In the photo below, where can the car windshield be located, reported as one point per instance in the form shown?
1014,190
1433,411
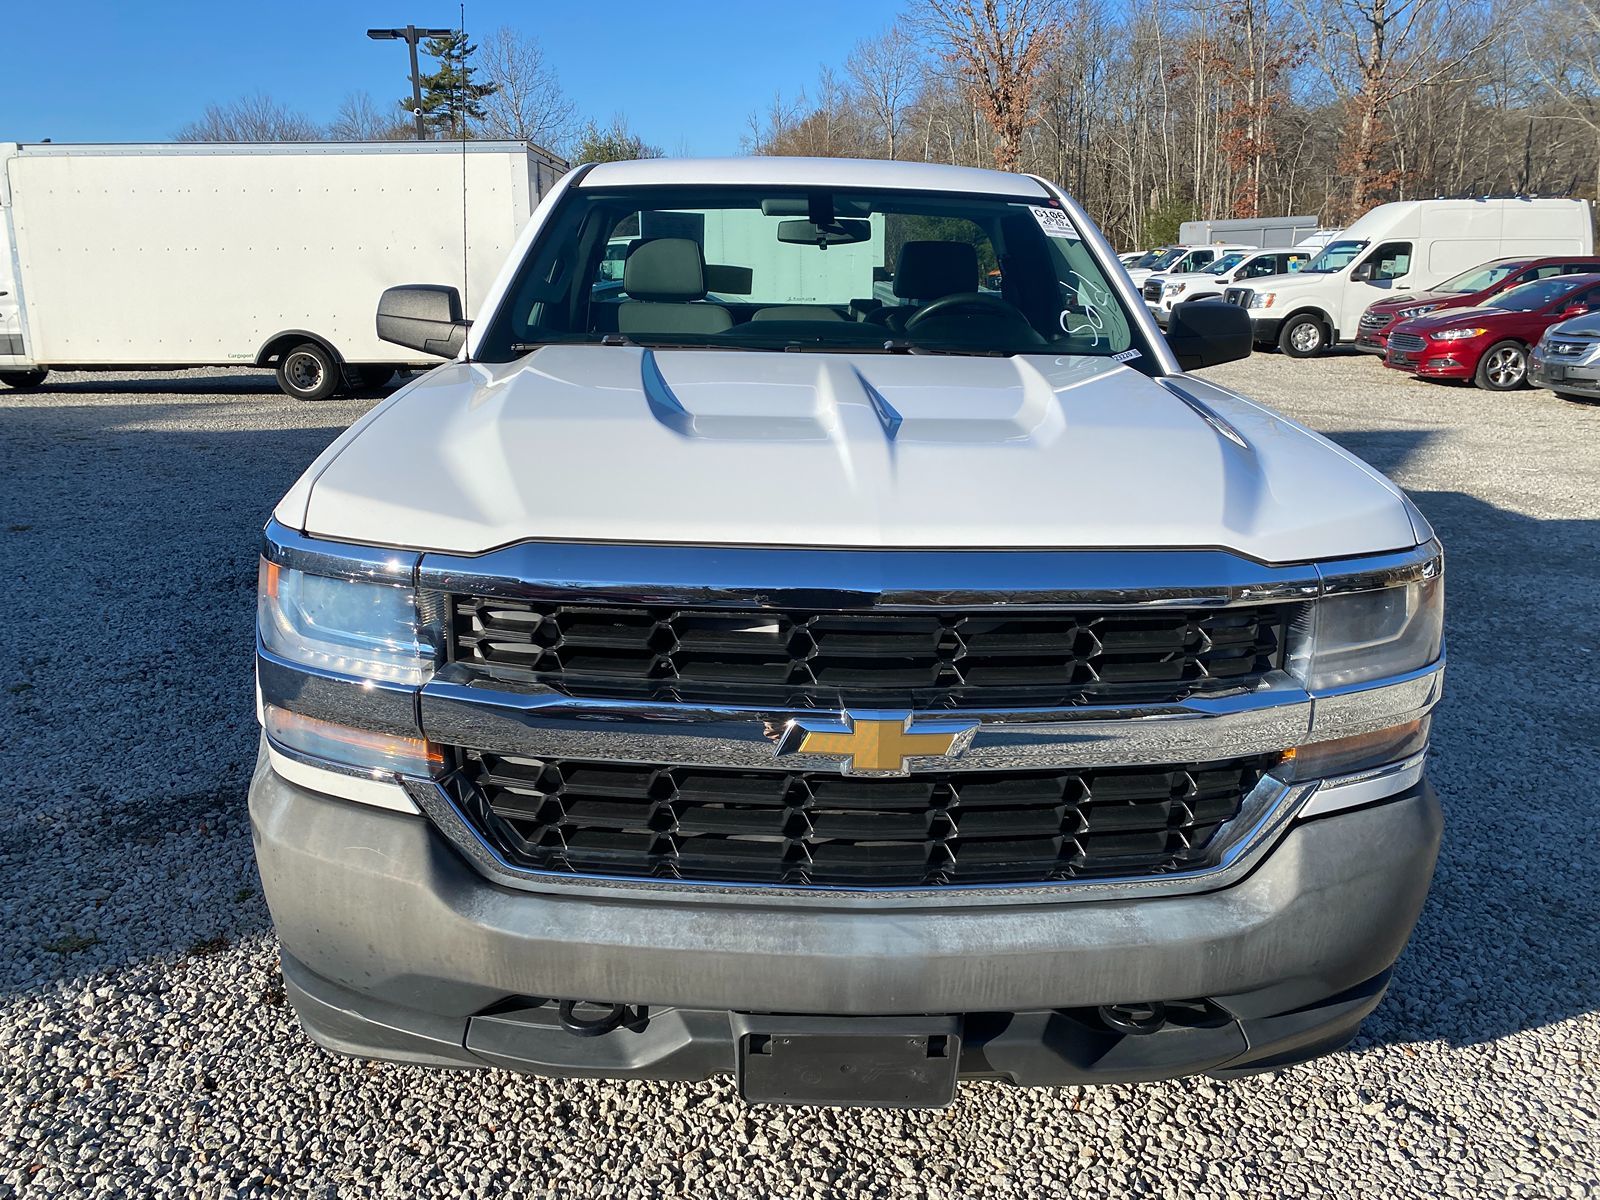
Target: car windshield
1226,263
1479,278
1526,297
1168,257
789,268
1335,256
1148,258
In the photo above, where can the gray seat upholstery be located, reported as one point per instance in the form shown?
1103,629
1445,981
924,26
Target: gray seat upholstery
926,271
664,279
797,312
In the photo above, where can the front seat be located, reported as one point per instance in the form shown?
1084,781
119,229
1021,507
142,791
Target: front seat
926,271
663,278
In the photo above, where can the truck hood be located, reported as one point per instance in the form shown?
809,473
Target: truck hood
592,443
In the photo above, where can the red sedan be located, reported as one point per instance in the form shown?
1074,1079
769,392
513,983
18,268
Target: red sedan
1489,344
1466,290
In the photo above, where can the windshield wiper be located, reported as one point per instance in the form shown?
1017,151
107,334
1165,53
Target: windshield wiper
902,346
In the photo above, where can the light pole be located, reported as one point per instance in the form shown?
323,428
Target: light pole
411,35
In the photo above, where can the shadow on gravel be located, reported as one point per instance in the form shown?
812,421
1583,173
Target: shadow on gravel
1508,941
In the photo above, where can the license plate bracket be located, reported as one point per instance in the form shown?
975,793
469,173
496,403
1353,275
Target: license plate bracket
869,1062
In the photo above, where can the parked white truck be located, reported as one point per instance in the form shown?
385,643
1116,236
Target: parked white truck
848,696
1409,245
163,256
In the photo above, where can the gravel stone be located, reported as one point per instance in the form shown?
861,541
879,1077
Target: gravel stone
146,1048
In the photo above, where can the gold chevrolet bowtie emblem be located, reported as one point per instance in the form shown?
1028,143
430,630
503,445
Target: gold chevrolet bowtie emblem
879,744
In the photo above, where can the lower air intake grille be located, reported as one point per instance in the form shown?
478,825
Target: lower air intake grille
1410,343
804,829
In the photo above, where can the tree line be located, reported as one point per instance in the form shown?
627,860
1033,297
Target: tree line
1150,115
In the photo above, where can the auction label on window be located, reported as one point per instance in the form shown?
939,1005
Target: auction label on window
1054,222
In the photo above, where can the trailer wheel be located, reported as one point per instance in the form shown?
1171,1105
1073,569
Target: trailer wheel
308,372
21,381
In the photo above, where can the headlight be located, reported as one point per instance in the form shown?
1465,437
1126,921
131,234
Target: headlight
1407,313
1451,335
1263,299
1357,637
369,631
1172,289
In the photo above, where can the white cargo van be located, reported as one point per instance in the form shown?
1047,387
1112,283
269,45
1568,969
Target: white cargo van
163,256
1409,244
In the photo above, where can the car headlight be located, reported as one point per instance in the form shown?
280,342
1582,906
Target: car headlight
1452,335
1357,637
1172,289
368,631
1407,313
1263,299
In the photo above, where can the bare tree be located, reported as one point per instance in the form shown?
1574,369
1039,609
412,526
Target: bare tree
1564,53
527,104
253,118
999,47
886,71
360,120
1375,53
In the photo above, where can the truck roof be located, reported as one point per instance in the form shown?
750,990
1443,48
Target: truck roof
771,170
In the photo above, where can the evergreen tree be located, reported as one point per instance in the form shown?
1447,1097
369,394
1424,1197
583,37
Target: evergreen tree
451,99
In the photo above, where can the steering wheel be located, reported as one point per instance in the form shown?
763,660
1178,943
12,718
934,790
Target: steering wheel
977,304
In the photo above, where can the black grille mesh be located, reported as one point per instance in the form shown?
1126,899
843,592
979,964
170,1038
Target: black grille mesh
1407,342
818,830
922,658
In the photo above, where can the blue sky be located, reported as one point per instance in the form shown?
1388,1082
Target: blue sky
686,75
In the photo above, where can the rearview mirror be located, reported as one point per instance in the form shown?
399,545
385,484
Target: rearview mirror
423,316
1203,333
833,233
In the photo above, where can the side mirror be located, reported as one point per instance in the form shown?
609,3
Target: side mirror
1362,273
423,316
1574,310
1204,333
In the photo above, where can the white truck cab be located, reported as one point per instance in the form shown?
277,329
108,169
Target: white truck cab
1409,245
1163,291
1182,260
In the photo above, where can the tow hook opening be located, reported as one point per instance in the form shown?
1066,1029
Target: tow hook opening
595,1018
1141,1018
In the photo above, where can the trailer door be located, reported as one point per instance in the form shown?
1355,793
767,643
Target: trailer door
12,352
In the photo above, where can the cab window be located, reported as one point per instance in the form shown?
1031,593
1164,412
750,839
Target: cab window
1293,261
1195,260
1266,264
1391,260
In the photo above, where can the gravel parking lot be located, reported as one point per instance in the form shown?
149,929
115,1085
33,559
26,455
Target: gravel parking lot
146,1047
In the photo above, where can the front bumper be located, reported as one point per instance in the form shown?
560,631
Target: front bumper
1579,380
1434,362
1265,329
394,947
1372,342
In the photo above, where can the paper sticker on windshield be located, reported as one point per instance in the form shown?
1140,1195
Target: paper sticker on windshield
1125,356
1054,222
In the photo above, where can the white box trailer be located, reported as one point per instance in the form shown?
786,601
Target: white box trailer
1266,233
265,255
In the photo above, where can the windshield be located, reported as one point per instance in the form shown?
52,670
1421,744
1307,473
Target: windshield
1168,257
1335,256
1226,263
1526,297
1479,278
1149,258
821,270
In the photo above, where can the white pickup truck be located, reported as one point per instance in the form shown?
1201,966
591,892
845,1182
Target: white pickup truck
1163,291
849,696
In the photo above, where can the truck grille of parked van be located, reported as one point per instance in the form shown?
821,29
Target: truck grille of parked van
816,659
822,829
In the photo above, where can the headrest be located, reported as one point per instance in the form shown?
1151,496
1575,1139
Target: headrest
928,270
665,269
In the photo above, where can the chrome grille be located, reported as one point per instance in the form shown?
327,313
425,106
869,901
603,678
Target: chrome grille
1152,289
1376,320
1569,349
1408,343
822,829
1239,296
924,658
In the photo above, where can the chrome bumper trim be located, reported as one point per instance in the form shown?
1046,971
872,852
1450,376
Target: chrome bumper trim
543,723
